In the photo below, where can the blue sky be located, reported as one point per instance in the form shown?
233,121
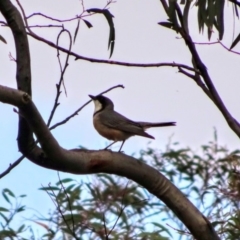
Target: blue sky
150,94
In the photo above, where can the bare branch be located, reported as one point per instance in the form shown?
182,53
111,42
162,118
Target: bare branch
217,42
198,81
79,109
11,166
79,161
94,60
233,124
120,212
198,64
70,208
61,80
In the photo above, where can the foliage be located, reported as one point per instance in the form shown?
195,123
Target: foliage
110,207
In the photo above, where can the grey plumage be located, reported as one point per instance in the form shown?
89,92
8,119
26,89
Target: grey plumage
116,127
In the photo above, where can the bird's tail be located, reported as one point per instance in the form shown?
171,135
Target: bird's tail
146,125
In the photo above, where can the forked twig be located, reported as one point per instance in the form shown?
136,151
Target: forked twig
61,80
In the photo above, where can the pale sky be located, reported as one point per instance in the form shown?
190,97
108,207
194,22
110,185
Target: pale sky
151,94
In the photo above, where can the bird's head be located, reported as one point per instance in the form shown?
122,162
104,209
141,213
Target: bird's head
101,103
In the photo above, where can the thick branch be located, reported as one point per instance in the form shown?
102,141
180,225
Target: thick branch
78,161
23,71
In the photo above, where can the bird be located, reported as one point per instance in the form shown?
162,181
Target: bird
114,126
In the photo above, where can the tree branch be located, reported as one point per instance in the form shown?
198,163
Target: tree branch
198,81
11,166
79,161
199,65
94,60
23,71
79,109
232,122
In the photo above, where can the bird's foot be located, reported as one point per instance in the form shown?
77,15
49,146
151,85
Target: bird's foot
106,149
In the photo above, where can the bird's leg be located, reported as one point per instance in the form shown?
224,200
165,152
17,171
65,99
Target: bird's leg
121,146
109,145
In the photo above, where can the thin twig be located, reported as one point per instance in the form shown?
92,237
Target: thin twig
126,64
11,166
77,56
105,228
45,26
121,210
60,211
217,42
79,109
198,81
61,80
69,203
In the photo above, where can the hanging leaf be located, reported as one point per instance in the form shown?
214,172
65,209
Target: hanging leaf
235,42
109,17
201,14
236,9
220,17
211,18
89,25
3,39
172,14
185,15
166,24
76,31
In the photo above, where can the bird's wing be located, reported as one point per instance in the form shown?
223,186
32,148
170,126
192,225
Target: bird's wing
117,121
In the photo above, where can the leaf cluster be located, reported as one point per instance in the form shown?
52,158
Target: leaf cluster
210,15
110,207
209,177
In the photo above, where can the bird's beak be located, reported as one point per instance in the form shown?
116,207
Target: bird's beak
92,97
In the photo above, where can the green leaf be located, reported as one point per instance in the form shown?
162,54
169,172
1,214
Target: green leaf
21,228
236,9
201,14
185,15
10,193
2,209
20,209
211,17
5,193
166,24
89,25
50,188
220,17
22,195
109,17
3,39
172,14
65,180
235,42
